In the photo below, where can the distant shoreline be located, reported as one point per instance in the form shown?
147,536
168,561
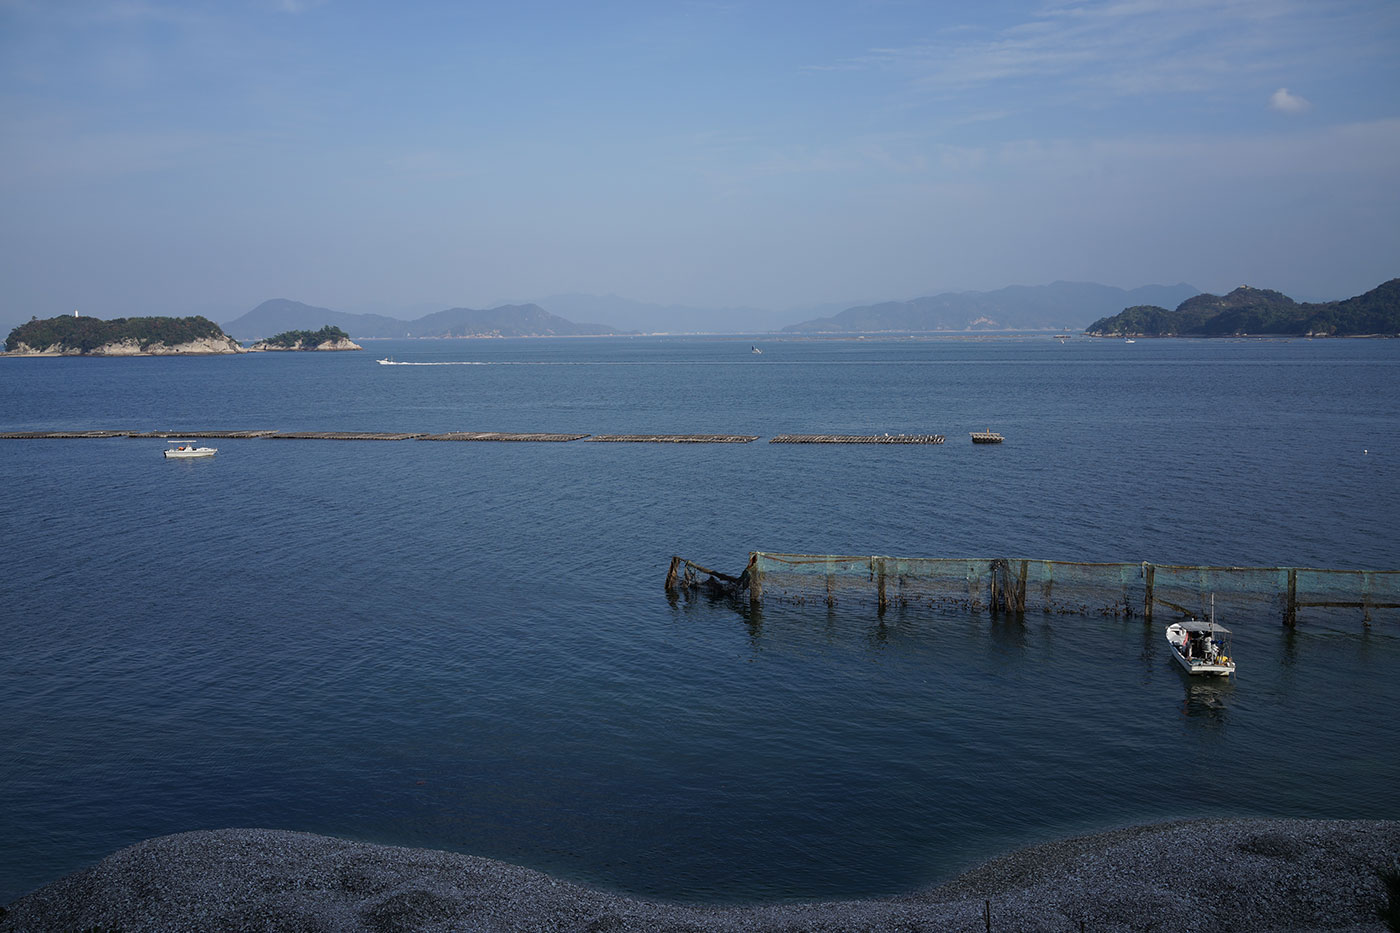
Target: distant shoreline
831,336
1240,336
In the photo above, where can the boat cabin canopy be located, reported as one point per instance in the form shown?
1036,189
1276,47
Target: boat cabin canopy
1197,626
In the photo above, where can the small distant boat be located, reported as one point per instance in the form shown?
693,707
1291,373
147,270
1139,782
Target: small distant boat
986,437
753,349
387,361
1198,647
1129,340
185,450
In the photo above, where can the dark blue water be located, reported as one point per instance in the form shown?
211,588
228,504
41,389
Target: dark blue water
466,645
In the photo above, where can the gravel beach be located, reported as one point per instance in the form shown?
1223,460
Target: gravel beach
1238,875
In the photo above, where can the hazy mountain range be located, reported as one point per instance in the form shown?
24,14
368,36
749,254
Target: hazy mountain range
528,320
1019,307
678,319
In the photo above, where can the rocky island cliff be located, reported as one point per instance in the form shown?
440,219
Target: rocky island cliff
135,336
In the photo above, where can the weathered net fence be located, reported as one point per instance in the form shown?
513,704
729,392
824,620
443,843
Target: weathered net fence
1291,591
1002,585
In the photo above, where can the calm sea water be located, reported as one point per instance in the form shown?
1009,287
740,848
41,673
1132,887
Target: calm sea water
466,645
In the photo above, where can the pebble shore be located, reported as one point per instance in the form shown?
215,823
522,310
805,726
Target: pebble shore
1238,875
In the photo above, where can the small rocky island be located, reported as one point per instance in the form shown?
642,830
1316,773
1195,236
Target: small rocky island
329,337
123,336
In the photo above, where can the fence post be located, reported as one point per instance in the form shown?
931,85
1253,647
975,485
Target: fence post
755,582
1290,612
1149,576
881,576
1366,599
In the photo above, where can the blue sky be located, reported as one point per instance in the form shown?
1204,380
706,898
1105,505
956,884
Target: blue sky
198,157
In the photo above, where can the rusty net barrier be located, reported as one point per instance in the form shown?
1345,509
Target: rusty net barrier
1067,587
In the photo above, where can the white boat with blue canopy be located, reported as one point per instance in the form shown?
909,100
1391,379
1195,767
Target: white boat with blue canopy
1201,647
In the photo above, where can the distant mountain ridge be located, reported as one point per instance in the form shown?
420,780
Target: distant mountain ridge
1017,307
1249,310
281,314
677,319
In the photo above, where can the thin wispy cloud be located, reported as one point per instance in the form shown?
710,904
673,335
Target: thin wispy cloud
1285,102
31,156
1366,149
1109,50
101,12
298,6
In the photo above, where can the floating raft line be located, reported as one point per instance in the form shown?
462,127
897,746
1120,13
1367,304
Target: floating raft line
986,437
857,439
218,435
340,436
57,435
676,438
499,436
508,436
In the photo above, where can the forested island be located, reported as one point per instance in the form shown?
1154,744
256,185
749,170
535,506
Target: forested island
329,337
123,336
1260,312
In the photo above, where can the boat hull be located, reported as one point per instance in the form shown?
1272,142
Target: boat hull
1202,667
191,454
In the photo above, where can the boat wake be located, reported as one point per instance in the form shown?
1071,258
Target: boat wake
745,362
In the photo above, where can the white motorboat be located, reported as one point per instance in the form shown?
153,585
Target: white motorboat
387,361
1201,647
185,450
